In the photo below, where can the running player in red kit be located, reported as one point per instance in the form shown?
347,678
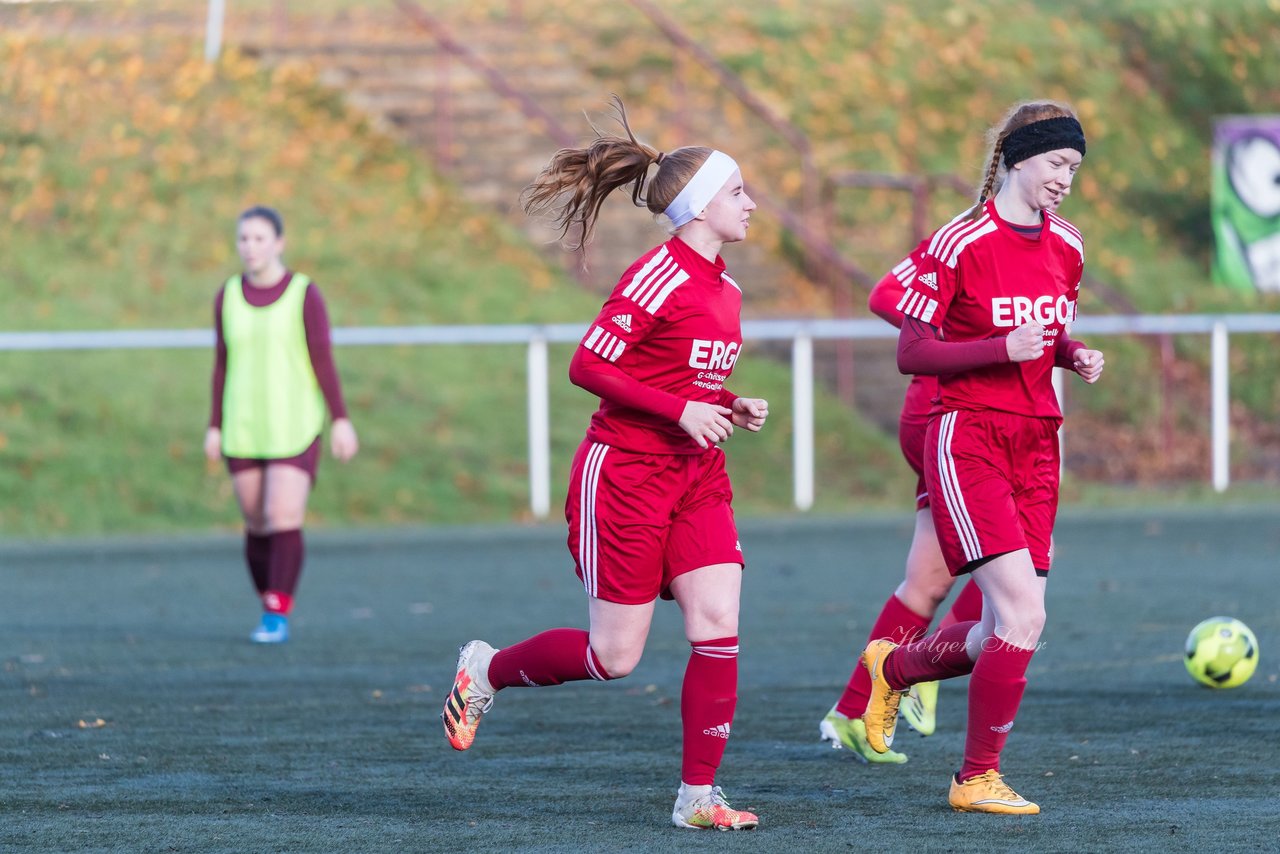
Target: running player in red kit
988,313
648,506
907,613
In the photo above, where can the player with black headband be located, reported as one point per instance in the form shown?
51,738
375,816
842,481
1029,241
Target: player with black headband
988,312
906,614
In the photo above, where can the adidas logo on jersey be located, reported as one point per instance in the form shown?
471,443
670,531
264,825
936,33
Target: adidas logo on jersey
721,731
623,322
929,279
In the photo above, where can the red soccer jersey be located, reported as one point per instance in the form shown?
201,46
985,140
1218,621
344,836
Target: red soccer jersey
673,324
884,300
980,279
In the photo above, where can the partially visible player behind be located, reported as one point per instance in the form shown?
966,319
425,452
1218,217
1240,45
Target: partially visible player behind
988,313
909,610
649,503
273,377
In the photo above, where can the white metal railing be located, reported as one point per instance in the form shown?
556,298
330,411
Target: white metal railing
801,333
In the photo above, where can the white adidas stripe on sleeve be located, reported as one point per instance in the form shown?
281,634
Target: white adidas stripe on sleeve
917,305
604,344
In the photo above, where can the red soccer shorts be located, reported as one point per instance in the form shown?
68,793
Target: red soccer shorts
994,480
636,521
912,432
912,426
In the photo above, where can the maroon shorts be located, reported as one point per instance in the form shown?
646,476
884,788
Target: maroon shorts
636,521
308,460
994,477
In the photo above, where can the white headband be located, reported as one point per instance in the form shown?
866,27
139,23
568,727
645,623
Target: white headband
701,189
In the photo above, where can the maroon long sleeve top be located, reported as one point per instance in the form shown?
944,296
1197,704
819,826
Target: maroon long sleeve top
921,350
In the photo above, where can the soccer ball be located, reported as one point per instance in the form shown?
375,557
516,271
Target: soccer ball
1221,652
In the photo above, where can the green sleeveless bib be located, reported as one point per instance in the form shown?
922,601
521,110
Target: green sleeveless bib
272,406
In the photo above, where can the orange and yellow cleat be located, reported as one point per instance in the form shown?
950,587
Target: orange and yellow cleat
698,809
471,696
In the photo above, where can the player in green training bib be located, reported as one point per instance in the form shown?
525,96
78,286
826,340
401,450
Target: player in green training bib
273,379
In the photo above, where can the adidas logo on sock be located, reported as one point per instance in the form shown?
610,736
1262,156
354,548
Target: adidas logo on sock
721,731
929,279
1003,728
623,322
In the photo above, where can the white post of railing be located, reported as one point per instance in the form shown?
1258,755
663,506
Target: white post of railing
1060,393
802,407
1221,409
539,429
213,30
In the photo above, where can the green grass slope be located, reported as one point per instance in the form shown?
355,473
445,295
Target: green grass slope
123,165
912,87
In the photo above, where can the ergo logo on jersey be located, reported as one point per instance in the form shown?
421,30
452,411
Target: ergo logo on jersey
713,355
1019,311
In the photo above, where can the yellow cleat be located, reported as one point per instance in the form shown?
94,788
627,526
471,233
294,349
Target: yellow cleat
989,793
705,808
881,716
851,734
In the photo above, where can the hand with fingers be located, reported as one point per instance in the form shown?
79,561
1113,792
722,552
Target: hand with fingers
750,412
1088,364
1025,343
343,441
706,422
213,444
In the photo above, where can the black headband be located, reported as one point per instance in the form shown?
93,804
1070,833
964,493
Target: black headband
1039,137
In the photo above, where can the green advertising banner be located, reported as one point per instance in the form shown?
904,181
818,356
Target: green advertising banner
1246,202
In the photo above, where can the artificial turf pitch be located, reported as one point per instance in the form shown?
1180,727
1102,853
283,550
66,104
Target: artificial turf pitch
136,716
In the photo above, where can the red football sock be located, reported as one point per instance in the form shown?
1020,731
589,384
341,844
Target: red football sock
897,623
286,563
941,655
995,691
257,554
550,658
967,608
707,701
277,602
